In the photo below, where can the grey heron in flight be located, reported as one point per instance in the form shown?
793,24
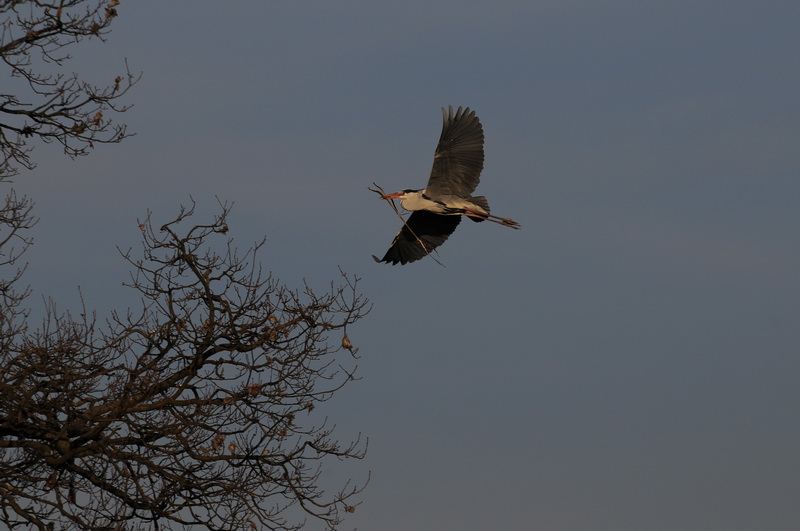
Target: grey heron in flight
437,208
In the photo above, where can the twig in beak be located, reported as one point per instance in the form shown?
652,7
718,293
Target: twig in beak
386,197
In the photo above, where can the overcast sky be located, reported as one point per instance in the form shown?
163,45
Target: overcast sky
628,361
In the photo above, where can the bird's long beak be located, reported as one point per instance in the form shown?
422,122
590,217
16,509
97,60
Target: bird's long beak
395,195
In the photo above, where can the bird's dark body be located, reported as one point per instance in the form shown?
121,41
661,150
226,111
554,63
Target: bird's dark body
437,209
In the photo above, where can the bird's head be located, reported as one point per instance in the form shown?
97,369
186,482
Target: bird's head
402,194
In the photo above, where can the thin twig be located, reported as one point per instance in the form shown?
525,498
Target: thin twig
386,198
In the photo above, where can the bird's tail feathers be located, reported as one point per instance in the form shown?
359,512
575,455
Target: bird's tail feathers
482,202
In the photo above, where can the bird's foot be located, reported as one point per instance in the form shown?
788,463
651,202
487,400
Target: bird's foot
508,222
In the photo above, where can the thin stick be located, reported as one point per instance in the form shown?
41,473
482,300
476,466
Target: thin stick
386,198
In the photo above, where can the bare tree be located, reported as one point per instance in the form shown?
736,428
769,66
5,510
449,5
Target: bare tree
199,409
48,103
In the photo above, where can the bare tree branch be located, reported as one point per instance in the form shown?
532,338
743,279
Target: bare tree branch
57,105
199,409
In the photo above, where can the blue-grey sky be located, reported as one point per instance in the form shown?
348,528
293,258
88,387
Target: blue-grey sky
627,361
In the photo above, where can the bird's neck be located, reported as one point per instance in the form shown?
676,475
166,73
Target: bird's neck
415,201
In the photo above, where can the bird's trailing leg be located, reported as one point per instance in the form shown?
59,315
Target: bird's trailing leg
480,216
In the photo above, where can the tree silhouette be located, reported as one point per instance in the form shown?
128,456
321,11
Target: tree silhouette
196,409
48,103
199,407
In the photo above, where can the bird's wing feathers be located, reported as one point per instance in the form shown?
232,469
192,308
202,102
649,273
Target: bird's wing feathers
458,160
432,229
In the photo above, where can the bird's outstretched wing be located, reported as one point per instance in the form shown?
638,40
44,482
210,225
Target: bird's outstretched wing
458,161
432,229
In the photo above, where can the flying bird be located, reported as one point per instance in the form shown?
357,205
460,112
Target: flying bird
437,208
